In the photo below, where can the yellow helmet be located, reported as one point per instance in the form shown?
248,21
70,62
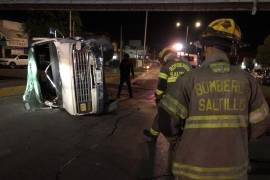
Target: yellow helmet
223,28
164,52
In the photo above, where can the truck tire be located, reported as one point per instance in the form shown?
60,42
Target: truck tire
12,65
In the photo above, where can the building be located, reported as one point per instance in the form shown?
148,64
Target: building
135,49
13,39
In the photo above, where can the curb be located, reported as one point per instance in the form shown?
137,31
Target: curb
12,91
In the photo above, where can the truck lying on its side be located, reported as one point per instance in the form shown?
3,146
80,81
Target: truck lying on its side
68,73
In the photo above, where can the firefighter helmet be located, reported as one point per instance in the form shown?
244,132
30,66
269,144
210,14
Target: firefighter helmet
223,28
224,34
172,55
166,54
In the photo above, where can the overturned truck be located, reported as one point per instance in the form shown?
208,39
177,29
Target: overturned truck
68,74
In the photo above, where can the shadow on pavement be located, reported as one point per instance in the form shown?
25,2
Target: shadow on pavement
260,167
148,171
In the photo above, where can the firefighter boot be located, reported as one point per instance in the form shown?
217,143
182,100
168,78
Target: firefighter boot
153,134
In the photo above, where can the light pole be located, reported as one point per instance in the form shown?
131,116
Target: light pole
145,34
197,24
70,21
187,35
121,43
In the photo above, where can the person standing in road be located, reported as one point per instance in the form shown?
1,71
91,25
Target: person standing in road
126,68
221,107
173,68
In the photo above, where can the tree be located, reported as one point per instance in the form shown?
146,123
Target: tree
38,23
263,52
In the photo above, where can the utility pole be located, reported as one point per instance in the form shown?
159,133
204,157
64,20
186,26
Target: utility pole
121,42
187,35
73,28
187,44
70,25
145,35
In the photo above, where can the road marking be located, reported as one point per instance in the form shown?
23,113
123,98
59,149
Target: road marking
12,91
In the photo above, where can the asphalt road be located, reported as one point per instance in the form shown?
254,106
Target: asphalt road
52,145
12,77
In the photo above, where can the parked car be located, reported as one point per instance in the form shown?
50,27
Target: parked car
147,65
14,61
262,75
266,77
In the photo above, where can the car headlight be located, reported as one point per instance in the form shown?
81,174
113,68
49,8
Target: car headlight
114,57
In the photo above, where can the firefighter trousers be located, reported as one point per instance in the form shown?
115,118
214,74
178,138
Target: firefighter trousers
163,123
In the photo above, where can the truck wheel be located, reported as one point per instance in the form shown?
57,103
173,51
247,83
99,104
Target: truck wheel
12,65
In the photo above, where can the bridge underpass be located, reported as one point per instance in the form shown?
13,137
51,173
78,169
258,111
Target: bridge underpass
138,5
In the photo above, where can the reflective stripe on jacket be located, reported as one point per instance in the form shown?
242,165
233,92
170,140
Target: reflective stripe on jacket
169,73
222,105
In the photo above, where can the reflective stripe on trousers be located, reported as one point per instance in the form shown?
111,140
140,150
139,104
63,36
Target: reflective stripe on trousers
159,92
216,173
154,132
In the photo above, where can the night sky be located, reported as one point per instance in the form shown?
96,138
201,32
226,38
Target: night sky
161,25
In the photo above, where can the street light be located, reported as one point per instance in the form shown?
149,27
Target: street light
197,24
178,46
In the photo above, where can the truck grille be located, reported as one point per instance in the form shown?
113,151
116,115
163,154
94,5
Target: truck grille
83,75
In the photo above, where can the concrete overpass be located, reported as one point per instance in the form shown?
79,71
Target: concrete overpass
137,5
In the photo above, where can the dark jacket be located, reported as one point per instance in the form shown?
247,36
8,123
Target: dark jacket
126,68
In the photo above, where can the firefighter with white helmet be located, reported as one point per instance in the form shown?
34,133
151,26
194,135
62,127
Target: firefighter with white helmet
221,107
172,68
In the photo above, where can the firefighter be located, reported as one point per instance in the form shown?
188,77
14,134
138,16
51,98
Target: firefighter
172,68
222,108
